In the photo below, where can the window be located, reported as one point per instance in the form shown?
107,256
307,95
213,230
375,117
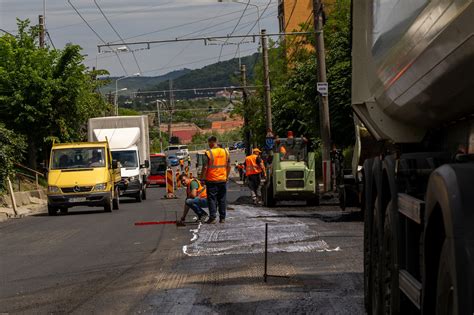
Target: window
126,158
77,158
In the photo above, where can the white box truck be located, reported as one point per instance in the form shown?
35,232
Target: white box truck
128,139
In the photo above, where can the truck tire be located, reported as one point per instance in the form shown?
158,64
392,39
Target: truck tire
368,218
445,289
139,196
376,262
116,202
52,210
108,204
390,292
268,198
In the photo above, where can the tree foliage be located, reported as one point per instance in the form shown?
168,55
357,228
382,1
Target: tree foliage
295,102
45,93
12,147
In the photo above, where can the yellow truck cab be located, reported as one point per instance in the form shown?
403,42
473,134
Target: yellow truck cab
82,174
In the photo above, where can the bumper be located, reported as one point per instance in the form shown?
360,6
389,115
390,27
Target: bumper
156,181
295,195
129,188
97,199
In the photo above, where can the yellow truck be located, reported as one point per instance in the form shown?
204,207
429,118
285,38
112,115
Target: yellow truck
82,174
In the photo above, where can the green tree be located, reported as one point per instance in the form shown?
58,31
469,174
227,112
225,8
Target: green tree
294,97
12,147
45,93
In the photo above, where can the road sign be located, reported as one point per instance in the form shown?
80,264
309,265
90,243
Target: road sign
322,87
269,143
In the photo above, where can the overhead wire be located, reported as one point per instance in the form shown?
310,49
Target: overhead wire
231,33
50,40
117,33
96,34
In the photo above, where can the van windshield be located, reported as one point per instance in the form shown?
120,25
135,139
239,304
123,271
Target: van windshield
126,158
77,158
172,148
183,147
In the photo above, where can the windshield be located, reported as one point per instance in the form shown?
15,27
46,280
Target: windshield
126,158
292,150
183,147
77,158
172,157
172,148
158,165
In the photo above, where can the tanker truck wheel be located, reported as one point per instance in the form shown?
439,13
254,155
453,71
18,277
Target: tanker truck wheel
446,291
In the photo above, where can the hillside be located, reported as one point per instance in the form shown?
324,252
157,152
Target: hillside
136,83
224,73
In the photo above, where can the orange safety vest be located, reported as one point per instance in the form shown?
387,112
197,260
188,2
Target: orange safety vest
217,162
201,191
181,162
251,166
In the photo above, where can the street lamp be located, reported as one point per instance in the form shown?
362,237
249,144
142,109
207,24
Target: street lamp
116,89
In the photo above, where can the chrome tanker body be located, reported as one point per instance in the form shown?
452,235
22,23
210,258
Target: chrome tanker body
413,91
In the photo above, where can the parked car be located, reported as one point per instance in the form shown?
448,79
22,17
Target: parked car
173,160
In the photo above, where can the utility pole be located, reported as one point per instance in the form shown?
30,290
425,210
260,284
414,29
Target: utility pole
41,31
243,76
323,97
171,106
159,124
266,76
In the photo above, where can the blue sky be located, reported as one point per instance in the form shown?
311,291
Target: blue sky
164,18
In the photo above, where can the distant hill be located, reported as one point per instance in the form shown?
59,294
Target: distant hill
224,73
143,83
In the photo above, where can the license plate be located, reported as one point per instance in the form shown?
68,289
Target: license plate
77,199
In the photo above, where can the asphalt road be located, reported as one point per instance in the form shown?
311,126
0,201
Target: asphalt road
89,261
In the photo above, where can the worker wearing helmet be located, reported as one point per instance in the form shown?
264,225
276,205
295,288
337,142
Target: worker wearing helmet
255,170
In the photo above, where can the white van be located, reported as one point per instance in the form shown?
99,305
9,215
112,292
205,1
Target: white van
180,150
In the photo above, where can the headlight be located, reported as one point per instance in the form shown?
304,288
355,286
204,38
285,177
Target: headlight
132,178
102,186
53,189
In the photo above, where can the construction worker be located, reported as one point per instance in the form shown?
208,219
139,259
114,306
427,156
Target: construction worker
286,148
196,198
181,165
189,160
215,172
255,170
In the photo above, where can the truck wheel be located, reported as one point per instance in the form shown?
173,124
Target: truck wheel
389,269
376,265
269,200
446,291
108,204
116,201
63,210
52,210
139,196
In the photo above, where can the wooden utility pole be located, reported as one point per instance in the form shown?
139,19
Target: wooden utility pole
323,97
266,77
171,106
41,31
243,76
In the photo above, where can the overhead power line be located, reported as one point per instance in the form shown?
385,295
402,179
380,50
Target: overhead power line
96,34
236,25
201,89
117,33
50,40
205,39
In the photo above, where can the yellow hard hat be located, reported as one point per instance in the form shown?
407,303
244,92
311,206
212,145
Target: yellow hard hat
256,150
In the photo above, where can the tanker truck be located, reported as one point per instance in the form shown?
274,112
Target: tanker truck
413,92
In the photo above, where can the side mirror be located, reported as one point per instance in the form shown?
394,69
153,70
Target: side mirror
114,164
147,163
